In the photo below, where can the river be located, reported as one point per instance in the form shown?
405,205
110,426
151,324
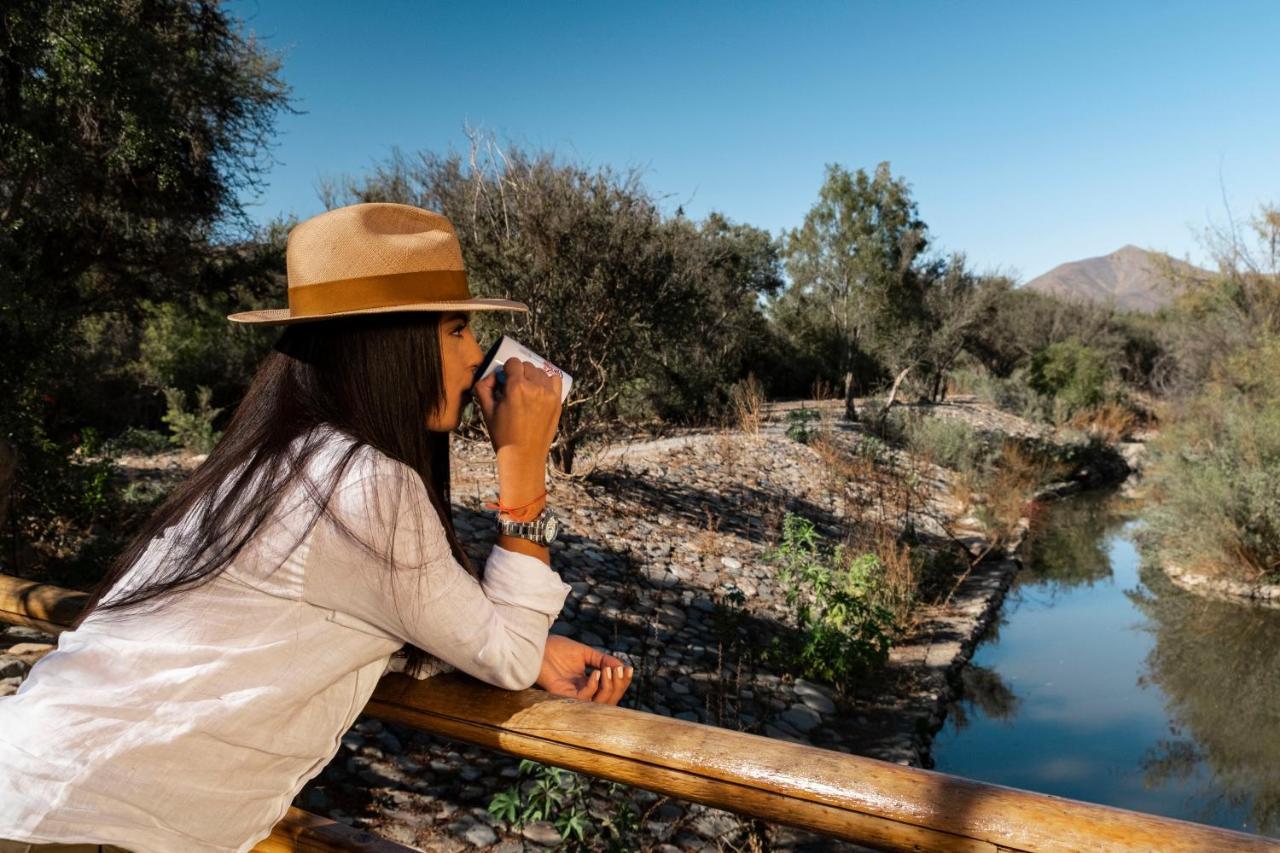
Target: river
1101,681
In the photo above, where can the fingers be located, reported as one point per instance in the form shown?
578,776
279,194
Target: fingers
591,688
484,393
613,684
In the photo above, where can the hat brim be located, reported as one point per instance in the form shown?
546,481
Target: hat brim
285,317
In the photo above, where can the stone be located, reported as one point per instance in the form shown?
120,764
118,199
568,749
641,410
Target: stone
25,649
801,717
9,667
542,832
731,563
480,835
591,639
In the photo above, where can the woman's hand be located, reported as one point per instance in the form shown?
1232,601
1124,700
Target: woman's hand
522,416
564,672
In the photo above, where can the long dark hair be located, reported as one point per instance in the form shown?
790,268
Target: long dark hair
374,377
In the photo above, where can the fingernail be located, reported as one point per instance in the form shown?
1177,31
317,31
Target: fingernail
608,673
618,673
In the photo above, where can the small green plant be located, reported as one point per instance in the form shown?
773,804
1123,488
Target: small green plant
798,421
546,793
137,440
192,430
841,633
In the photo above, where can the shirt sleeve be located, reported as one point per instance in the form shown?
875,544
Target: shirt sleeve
495,629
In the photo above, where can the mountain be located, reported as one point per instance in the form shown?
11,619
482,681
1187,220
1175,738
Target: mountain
1135,279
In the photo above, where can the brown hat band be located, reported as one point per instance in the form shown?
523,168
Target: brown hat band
378,291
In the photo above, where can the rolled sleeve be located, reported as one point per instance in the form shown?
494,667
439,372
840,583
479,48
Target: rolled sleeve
524,581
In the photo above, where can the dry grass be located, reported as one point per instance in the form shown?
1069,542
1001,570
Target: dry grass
822,390
1017,475
709,542
748,404
728,446
1113,422
964,487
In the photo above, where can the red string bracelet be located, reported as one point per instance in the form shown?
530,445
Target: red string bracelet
511,510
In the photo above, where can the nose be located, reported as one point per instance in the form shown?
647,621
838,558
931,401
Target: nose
476,359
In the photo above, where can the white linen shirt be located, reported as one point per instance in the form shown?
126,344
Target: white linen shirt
193,727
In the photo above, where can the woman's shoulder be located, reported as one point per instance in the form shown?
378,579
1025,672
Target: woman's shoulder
370,474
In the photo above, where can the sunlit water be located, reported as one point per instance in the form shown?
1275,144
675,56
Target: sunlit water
1103,682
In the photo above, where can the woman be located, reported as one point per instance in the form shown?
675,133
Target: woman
240,634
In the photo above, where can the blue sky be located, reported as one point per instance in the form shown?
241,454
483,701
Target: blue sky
1031,133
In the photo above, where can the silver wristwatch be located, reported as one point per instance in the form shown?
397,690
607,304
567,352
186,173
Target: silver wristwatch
542,530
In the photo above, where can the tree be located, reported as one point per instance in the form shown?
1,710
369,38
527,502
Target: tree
852,266
586,249
129,134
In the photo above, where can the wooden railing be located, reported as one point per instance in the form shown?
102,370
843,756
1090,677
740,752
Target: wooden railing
874,803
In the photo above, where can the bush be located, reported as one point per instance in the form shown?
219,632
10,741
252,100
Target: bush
946,441
137,440
841,633
192,431
1215,473
1074,376
798,421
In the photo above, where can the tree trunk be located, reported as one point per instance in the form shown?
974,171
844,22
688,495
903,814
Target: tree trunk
562,454
893,392
849,413
8,476
939,386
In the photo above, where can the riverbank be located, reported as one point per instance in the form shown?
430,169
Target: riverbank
661,533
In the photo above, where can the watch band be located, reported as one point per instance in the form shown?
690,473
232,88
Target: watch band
534,530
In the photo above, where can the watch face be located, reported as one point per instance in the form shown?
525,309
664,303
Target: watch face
553,527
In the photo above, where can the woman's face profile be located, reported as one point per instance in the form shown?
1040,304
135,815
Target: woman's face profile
460,357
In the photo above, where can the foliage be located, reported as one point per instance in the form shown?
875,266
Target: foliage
1073,375
1215,472
560,797
664,312
854,271
841,634
137,440
946,441
798,421
131,134
192,430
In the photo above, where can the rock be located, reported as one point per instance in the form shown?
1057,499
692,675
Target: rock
801,717
542,832
480,835
10,667
731,563
590,639
24,650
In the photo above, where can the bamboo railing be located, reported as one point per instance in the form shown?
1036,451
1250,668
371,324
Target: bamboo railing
874,803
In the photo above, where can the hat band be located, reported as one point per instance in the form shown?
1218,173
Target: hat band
377,291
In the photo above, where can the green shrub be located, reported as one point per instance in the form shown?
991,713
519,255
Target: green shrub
798,421
1074,376
560,797
137,440
1214,472
192,430
949,442
840,633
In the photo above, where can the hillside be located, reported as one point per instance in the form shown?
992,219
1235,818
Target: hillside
1135,279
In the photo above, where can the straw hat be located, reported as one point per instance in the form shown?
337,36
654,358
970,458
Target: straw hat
372,259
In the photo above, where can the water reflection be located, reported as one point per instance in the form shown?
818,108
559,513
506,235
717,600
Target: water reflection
1219,665
1103,682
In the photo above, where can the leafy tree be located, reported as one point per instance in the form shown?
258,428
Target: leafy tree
129,133
854,269
627,303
